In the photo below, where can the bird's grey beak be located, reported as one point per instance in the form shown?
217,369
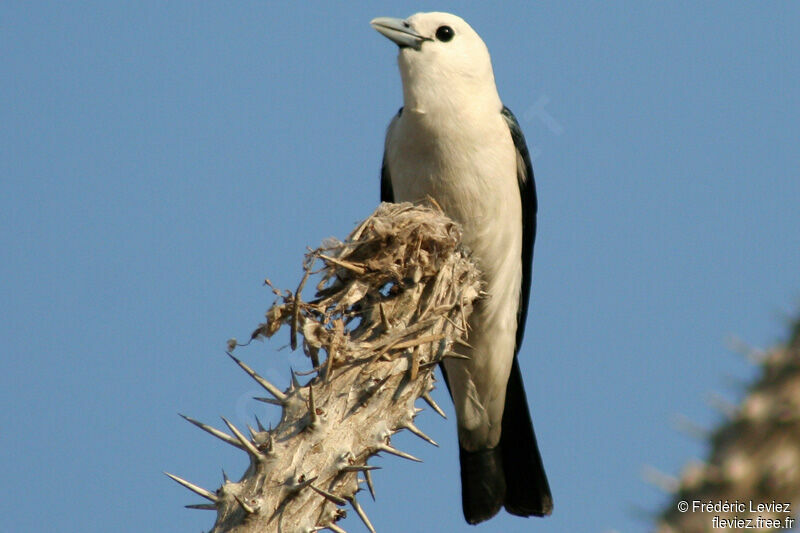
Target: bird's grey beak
399,31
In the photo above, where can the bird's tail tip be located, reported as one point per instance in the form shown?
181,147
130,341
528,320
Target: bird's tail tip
486,488
483,485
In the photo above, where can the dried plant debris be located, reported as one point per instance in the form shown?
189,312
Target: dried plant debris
751,480
391,300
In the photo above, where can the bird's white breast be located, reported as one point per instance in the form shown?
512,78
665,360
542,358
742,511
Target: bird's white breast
469,166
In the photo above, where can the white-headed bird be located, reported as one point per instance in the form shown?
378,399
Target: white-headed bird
455,141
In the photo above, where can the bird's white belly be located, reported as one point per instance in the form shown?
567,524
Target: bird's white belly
478,189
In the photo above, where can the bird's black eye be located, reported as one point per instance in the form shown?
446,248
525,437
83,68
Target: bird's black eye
445,33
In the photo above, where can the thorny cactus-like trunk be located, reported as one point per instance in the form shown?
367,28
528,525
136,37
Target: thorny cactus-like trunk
393,301
755,458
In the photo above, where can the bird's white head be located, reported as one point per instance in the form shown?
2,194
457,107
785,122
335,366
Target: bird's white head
444,64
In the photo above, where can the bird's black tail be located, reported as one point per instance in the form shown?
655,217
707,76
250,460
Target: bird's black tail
527,490
511,474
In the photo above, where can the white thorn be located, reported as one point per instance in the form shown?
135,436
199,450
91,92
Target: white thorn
328,496
359,468
462,342
247,508
394,451
427,397
418,432
455,355
270,440
271,401
272,389
202,506
200,491
214,431
370,486
249,446
361,513
295,383
300,485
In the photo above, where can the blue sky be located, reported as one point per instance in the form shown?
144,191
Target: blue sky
158,160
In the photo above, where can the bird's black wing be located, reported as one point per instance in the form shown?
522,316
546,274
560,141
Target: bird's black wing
527,489
527,191
387,193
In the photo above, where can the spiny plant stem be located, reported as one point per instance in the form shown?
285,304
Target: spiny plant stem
392,301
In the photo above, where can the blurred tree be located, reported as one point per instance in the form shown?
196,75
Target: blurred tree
751,480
